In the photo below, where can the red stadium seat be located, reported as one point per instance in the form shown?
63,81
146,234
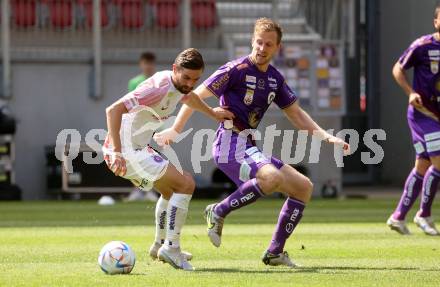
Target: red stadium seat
132,13
167,13
87,8
60,13
24,12
203,14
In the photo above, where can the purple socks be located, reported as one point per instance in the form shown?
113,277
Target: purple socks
413,186
290,215
430,184
246,194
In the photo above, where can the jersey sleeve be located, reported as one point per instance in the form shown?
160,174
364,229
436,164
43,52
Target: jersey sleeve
285,96
410,56
220,80
148,93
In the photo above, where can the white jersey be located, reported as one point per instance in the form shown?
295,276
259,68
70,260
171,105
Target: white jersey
149,105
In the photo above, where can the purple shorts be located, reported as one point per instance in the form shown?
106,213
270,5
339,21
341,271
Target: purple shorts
238,157
425,133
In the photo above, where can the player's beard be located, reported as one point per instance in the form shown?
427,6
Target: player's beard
183,89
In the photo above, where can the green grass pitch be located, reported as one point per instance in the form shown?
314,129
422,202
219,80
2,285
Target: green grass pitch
338,243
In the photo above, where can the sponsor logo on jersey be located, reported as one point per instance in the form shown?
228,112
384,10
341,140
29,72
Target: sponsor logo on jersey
220,82
261,84
272,83
159,119
166,106
251,86
251,79
434,53
249,97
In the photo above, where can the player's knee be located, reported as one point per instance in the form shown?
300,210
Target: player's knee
270,181
303,191
190,184
307,187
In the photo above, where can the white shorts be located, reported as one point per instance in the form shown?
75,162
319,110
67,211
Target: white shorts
144,166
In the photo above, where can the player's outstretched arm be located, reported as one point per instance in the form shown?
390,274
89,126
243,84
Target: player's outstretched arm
302,121
193,101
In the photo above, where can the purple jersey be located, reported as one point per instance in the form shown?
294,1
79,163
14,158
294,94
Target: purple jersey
248,92
424,56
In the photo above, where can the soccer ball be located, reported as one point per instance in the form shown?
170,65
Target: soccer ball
116,257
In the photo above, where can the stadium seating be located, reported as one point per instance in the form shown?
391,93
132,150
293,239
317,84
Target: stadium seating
204,14
60,13
166,12
24,13
86,8
131,13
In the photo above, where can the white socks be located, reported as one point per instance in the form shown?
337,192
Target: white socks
161,220
176,216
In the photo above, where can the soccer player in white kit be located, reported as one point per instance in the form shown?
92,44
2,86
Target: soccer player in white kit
131,122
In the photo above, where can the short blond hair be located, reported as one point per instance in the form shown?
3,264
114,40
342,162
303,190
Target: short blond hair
268,25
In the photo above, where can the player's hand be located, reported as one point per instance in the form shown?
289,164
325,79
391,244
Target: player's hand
339,142
117,164
165,137
222,114
415,100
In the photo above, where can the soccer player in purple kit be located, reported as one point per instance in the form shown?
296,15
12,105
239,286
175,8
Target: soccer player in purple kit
247,86
424,122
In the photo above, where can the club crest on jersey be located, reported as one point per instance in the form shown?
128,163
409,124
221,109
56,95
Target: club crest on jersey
249,97
261,84
272,83
434,67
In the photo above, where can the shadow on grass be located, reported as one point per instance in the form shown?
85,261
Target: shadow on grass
311,269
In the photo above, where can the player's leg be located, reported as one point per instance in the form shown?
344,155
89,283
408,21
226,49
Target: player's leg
298,189
181,186
423,218
147,168
267,179
412,189
160,221
161,225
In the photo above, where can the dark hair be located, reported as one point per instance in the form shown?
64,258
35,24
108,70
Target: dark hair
190,59
147,57
437,9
